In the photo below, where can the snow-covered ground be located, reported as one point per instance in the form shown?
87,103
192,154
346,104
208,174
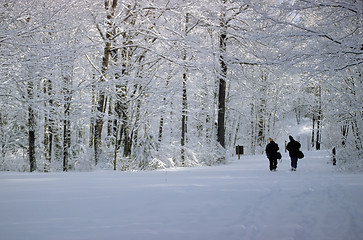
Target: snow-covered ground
241,200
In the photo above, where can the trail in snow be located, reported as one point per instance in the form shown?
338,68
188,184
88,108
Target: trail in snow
240,200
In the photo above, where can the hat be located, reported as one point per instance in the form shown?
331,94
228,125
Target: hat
291,138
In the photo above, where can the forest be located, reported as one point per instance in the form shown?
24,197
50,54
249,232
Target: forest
149,84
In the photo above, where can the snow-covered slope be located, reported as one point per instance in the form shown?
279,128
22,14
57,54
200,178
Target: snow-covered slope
241,200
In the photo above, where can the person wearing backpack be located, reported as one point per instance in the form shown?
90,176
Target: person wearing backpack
294,150
271,153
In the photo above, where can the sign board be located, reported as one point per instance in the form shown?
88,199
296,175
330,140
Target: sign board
239,150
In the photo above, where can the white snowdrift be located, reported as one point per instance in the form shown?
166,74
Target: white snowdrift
241,200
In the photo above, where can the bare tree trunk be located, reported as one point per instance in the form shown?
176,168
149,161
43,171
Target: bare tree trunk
118,121
298,114
184,119
66,142
127,141
313,132
357,135
121,109
319,119
98,126
136,123
261,119
32,124
2,142
110,123
161,126
66,123
222,80
48,123
117,134
92,121
344,130
32,159
253,130
318,132
236,131
260,128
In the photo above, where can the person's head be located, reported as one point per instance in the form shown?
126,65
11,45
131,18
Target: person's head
291,138
271,139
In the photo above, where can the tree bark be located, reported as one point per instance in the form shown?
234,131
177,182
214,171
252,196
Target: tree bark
344,130
66,123
49,123
92,121
31,123
313,132
222,82
184,119
357,135
319,119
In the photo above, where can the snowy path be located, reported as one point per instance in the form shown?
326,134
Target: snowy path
238,201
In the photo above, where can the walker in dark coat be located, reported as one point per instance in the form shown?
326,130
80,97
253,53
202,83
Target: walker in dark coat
271,153
293,147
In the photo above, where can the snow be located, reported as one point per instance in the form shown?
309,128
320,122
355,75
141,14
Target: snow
241,200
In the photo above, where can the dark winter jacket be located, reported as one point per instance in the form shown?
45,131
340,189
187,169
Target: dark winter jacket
293,147
271,150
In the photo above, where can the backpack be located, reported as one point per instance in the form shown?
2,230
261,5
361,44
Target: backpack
300,154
